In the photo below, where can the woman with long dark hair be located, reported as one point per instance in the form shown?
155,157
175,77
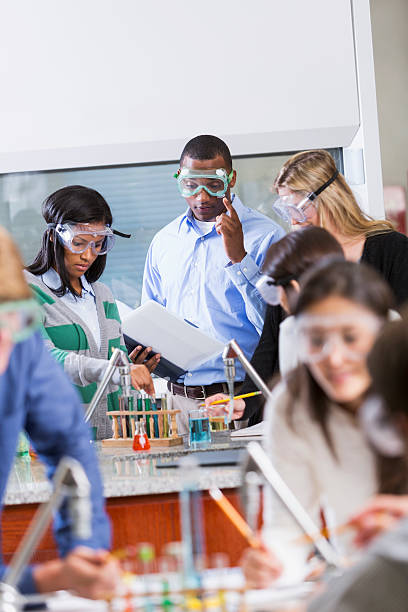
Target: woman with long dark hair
81,319
379,581
313,435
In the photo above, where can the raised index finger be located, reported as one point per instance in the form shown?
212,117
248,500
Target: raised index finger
228,205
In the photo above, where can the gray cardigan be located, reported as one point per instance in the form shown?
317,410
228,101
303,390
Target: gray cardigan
73,345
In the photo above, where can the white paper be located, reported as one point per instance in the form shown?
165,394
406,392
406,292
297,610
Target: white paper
179,342
257,430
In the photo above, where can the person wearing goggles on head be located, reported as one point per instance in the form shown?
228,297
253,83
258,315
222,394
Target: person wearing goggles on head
285,262
204,265
81,318
37,397
311,191
313,435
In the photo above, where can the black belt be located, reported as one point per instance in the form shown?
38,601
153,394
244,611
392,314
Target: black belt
200,392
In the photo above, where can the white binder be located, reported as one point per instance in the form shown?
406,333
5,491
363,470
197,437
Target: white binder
174,338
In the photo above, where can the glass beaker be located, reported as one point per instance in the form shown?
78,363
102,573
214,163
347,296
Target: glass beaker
140,440
199,427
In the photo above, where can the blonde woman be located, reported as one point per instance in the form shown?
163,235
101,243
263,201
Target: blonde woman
313,192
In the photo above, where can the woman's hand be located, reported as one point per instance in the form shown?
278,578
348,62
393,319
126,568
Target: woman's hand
222,409
89,573
378,515
141,379
260,567
137,356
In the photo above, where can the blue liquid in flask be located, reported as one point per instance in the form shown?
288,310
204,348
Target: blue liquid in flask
199,430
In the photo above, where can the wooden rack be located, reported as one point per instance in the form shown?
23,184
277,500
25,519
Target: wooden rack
168,433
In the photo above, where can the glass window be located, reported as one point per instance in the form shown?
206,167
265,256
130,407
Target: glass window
143,199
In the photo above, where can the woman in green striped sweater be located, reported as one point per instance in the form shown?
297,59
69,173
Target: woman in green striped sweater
81,318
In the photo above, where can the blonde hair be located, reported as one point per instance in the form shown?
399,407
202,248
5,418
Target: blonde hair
13,285
337,208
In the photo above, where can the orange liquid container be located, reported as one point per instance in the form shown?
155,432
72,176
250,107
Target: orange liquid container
140,441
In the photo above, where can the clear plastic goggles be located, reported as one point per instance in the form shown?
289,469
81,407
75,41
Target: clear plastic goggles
380,429
269,288
297,207
79,237
319,336
21,318
214,182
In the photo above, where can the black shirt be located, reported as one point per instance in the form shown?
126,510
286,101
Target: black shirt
388,254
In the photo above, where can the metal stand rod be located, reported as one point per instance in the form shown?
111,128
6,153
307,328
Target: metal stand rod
103,384
69,479
300,515
231,350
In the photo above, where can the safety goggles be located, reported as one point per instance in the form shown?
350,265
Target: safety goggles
319,336
79,237
380,428
214,182
269,288
21,318
299,206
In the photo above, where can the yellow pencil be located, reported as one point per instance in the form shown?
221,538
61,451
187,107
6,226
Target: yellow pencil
225,401
235,517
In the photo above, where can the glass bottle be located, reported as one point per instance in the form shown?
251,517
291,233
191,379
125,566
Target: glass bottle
140,441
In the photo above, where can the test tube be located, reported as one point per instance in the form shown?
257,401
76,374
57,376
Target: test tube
139,403
147,406
160,417
155,420
131,417
165,416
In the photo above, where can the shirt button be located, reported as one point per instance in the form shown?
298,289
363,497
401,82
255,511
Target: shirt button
239,272
189,374
245,269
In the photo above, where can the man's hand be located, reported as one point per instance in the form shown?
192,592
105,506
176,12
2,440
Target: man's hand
222,409
260,568
137,356
141,379
378,515
230,228
88,573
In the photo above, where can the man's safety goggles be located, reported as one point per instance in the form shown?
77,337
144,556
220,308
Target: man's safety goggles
214,182
79,237
269,288
298,207
21,318
318,336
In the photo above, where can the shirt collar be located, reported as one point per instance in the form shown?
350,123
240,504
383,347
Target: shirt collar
53,280
188,217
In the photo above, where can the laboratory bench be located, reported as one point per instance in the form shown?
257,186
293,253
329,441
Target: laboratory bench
141,498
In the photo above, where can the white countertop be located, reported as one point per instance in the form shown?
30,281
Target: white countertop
126,473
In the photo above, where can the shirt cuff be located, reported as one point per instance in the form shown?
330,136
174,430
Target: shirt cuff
243,272
26,583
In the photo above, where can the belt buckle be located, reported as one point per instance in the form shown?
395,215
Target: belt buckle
204,395
197,398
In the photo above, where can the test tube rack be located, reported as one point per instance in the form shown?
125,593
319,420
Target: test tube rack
165,425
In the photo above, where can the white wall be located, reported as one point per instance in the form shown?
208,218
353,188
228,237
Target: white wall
390,39
100,82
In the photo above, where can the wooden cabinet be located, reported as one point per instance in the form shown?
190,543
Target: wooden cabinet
143,518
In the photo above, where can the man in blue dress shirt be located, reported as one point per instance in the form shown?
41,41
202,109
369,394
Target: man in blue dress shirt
204,265
36,396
